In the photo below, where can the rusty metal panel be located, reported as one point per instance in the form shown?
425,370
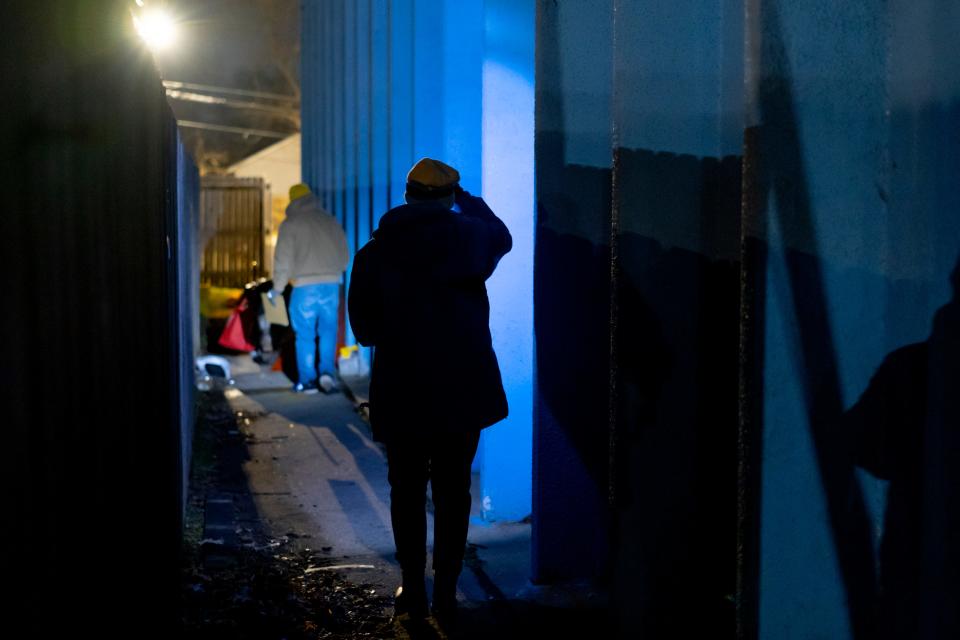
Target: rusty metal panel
231,230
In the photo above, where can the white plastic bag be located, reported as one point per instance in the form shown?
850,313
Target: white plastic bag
352,362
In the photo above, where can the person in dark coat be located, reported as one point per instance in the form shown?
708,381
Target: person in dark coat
418,295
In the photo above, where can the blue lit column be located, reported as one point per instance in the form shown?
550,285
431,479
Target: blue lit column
508,187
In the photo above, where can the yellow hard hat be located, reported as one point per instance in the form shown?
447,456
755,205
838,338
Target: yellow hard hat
298,191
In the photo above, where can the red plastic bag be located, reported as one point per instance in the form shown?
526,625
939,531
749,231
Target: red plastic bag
232,336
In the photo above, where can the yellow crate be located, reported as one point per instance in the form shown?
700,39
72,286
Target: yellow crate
218,302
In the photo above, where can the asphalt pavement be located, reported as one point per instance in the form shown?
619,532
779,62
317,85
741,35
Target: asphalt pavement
314,471
311,479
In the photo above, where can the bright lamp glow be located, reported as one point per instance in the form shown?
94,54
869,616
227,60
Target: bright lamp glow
157,29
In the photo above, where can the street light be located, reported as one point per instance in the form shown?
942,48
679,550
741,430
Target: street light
157,28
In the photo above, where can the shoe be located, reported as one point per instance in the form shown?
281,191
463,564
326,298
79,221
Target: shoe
327,384
411,603
445,612
308,388
445,601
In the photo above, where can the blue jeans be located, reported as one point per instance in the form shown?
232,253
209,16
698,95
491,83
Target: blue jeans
313,315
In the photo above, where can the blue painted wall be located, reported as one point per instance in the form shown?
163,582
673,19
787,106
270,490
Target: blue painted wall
853,227
743,207
387,82
463,41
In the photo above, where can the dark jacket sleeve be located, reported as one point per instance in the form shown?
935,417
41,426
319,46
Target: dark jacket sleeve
890,413
363,297
483,238
864,431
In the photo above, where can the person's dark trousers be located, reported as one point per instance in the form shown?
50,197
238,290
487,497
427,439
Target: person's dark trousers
444,459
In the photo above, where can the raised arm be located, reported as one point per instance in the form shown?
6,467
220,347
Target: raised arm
484,237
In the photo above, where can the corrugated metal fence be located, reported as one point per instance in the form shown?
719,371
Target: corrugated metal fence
99,206
374,91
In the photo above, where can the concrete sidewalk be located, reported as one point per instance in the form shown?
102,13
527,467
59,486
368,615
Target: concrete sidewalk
317,480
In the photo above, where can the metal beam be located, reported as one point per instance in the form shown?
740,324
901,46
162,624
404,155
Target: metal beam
187,96
190,124
192,86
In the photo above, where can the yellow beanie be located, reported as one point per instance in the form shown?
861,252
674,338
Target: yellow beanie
297,191
432,179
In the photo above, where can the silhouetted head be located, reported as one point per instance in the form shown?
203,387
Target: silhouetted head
946,321
432,181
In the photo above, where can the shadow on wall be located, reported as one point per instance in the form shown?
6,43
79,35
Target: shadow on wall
905,428
775,164
654,515
572,330
677,361
573,300
903,422
572,327
671,538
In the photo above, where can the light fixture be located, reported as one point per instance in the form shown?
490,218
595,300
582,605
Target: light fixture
157,28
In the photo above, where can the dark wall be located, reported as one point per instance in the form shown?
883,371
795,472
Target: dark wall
677,117
97,355
572,292
187,264
675,367
812,308
637,281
